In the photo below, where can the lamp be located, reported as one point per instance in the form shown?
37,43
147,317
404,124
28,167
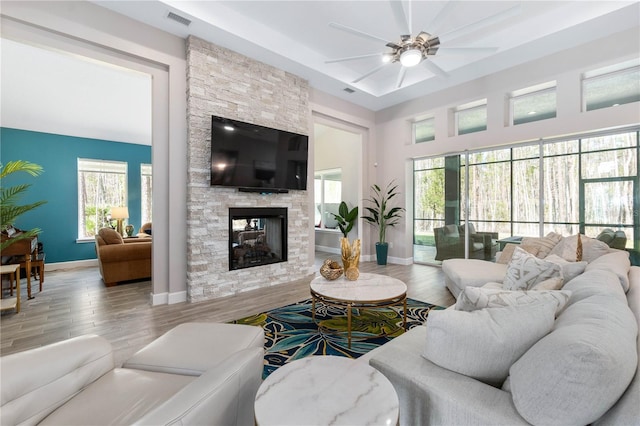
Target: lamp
119,213
411,57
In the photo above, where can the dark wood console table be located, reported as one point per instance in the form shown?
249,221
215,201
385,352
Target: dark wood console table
24,248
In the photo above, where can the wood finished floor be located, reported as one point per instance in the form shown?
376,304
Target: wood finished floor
76,302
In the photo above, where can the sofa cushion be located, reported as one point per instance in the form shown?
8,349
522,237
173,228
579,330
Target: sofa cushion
525,271
483,344
193,348
591,248
119,397
473,298
577,372
544,244
554,283
460,273
617,262
569,270
110,236
507,252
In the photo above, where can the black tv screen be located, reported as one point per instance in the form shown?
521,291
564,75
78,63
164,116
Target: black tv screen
246,155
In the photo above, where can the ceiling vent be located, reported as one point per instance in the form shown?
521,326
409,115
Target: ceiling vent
178,18
348,90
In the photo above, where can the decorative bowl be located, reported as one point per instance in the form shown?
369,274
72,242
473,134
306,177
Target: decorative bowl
331,270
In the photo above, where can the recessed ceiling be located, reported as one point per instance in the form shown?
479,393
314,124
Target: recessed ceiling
297,36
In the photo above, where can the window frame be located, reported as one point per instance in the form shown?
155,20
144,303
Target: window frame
92,165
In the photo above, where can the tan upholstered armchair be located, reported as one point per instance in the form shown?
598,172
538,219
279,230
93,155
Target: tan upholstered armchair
122,259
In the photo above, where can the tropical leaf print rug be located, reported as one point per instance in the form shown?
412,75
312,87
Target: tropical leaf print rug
291,333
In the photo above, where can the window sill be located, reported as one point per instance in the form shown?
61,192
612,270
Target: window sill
85,240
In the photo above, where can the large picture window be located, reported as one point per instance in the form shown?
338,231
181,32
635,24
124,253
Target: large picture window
568,186
101,185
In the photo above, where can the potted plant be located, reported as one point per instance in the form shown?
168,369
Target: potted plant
9,209
382,215
350,252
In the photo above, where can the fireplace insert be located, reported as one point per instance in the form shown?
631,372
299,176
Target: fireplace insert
257,236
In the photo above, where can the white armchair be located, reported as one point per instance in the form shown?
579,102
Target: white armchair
181,378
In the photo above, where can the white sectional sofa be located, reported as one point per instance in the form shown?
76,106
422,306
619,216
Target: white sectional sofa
584,371
197,373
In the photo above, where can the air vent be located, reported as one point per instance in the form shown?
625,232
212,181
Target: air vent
178,18
348,90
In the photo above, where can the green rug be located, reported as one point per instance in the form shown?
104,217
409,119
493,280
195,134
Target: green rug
291,333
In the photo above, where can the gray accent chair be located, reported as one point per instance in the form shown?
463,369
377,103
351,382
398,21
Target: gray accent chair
450,243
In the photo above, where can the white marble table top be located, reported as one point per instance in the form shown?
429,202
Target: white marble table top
326,390
368,287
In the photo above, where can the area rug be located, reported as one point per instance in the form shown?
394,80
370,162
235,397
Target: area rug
291,333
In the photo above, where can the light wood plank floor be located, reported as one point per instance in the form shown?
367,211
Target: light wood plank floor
76,302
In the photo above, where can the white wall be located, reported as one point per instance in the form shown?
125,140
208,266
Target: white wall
394,130
339,149
92,31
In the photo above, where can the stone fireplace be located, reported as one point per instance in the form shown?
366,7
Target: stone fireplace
227,84
257,236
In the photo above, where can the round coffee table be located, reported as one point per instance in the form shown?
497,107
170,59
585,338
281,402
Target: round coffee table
323,390
368,291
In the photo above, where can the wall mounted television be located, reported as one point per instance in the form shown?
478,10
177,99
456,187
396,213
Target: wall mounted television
257,158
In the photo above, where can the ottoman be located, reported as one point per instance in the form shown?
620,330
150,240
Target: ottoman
460,273
193,348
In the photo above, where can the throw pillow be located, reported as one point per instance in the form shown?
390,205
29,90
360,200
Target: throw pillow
525,271
570,270
544,244
591,248
507,252
110,236
473,298
483,344
554,283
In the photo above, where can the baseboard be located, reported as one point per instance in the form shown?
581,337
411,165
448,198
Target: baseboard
70,265
332,250
168,298
395,260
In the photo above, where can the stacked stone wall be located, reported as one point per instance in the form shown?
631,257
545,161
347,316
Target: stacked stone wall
224,83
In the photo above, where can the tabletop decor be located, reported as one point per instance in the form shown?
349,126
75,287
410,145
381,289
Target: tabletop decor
331,270
350,251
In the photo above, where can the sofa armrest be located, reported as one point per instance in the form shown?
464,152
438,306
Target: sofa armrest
224,395
38,381
430,394
124,252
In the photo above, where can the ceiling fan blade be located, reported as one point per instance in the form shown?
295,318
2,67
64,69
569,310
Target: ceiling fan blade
401,74
352,58
435,69
373,71
481,24
441,17
356,32
402,21
465,50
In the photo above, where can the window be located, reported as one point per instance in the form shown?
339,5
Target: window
533,103
567,185
146,185
328,195
101,185
424,130
471,118
611,86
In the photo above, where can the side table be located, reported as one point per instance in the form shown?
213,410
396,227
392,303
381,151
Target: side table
323,390
14,274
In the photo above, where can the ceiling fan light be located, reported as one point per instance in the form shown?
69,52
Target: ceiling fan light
386,57
411,57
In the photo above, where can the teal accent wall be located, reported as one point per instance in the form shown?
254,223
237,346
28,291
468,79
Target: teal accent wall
58,185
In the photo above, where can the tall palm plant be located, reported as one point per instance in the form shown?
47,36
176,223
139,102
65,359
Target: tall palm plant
381,214
10,210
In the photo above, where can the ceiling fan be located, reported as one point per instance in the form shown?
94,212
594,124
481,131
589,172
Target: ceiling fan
410,51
